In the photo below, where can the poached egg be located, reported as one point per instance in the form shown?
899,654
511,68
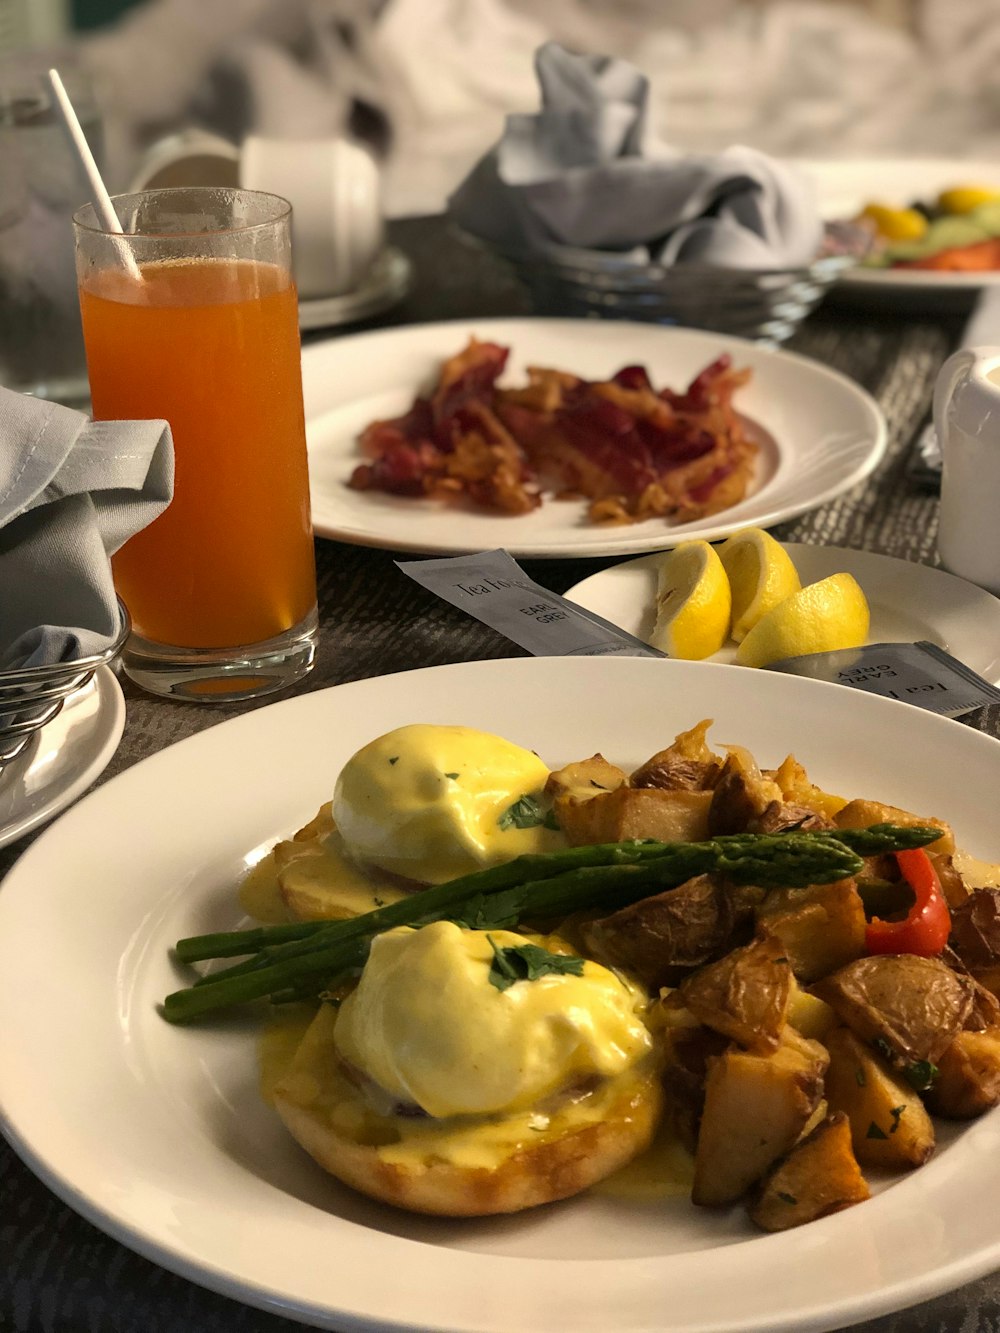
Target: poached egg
432,802
430,1028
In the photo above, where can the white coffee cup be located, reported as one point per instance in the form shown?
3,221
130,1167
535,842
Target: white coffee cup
333,187
967,422
189,157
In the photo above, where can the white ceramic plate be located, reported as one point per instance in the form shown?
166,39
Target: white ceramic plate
908,602
386,283
845,187
156,1133
820,434
61,761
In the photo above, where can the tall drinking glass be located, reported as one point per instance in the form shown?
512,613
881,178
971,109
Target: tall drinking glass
192,315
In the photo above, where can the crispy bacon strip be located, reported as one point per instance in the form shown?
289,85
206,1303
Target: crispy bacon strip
633,451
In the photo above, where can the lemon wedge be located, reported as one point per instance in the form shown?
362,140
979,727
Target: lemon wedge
896,224
965,198
819,618
693,603
761,575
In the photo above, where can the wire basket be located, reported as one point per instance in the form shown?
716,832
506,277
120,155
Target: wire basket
763,305
32,696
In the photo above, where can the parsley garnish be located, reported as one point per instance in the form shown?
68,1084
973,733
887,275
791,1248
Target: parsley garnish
453,776
526,813
874,1132
528,962
787,1198
394,759
920,1075
896,1112
492,911
883,1048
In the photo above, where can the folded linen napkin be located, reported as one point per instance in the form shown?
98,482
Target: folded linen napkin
72,491
582,174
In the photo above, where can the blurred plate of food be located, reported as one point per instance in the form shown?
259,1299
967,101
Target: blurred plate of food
182,1159
909,602
933,225
554,437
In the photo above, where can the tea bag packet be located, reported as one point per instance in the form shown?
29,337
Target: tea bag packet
71,492
492,587
915,673
584,173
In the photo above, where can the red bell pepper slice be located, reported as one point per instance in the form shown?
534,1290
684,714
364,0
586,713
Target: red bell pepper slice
926,927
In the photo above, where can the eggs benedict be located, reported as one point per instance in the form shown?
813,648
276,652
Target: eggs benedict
475,1072
430,803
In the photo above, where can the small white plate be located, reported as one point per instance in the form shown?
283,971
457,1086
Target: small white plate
158,1135
820,434
908,602
385,284
61,760
845,187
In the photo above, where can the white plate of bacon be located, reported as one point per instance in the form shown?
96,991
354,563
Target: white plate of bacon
559,437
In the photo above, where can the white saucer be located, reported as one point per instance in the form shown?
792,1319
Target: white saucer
387,281
61,761
908,602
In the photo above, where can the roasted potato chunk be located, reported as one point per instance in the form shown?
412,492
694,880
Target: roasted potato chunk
744,995
889,1125
741,794
317,881
756,1106
821,927
975,930
619,816
967,1081
808,1014
686,765
912,1006
687,1048
795,787
862,814
657,936
818,1177
586,778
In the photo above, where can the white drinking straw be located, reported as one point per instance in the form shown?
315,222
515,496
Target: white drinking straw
99,194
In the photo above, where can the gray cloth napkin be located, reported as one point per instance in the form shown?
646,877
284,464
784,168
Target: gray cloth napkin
581,174
71,492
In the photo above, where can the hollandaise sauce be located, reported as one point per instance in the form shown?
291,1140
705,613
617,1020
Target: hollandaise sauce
316,1081
277,1044
312,878
664,1171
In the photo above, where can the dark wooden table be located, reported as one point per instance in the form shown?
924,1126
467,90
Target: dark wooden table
58,1274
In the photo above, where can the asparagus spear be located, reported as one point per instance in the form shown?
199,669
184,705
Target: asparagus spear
487,899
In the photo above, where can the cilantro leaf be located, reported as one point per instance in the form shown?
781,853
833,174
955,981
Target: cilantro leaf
875,1132
920,1075
528,962
524,813
492,911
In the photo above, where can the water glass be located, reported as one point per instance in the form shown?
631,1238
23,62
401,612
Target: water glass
41,343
